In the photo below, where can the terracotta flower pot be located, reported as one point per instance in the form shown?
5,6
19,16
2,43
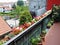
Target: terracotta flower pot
39,44
43,39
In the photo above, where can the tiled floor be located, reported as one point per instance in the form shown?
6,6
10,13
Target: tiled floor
53,35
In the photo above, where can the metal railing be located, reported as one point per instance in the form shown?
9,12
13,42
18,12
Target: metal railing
33,31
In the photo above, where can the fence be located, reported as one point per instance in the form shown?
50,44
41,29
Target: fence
33,31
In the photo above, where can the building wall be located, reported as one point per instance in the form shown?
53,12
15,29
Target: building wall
37,6
7,6
50,3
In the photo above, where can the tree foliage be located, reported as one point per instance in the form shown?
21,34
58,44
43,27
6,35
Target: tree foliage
25,17
56,13
20,3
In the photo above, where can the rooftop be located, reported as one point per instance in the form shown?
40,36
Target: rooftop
4,27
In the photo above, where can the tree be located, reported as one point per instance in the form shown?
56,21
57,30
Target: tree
16,11
19,10
20,3
25,17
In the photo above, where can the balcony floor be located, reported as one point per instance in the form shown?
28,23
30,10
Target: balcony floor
53,35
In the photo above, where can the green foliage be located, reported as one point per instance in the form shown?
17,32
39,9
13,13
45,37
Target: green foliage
18,10
22,19
3,13
20,3
24,8
56,13
23,13
1,43
44,32
50,23
36,40
25,17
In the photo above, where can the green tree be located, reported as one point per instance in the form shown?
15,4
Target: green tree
16,11
25,17
19,10
20,3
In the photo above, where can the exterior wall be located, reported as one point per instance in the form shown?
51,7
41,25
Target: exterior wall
50,3
37,6
41,11
7,6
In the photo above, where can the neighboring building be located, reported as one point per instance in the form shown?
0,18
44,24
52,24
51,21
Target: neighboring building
5,9
4,27
13,23
6,6
26,2
37,6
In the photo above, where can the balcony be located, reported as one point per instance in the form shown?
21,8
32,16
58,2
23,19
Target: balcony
35,30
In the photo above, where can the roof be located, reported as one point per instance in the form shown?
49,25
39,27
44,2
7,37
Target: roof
7,2
4,6
8,8
4,27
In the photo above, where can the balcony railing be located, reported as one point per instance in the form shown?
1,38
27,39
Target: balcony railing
34,30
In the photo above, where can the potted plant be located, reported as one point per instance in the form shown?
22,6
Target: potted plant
50,23
36,41
25,17
43,33
56,13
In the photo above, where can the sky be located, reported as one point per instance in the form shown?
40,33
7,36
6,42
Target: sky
8,0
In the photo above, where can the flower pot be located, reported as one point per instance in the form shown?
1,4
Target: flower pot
43,39
39,44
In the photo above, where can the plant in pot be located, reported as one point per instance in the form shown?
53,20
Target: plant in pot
36,41
33,21
25,17
56,13
43,35
49,24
